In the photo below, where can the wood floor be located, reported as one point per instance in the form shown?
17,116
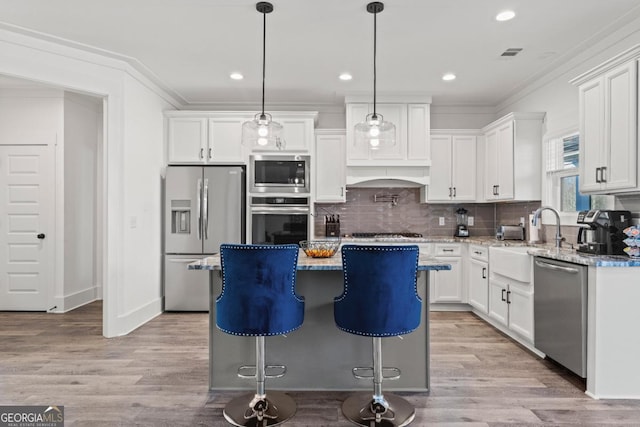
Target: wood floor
157,376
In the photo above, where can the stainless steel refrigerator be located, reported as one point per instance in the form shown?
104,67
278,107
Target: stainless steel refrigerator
204,207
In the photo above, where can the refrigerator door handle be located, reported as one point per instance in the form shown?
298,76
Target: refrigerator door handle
205,209
199,208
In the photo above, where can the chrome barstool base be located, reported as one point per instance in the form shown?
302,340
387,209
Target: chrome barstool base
281,407
356,408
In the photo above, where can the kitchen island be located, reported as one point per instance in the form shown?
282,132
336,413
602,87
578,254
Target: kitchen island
318,355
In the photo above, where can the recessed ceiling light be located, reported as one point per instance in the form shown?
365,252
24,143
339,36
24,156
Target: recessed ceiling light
236,76
505,15
345,76
448,77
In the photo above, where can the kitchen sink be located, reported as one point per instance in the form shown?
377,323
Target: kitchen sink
511,261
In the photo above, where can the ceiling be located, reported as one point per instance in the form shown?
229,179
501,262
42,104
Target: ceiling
191,46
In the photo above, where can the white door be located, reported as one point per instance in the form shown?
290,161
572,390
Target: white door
440,185
463,172
26,227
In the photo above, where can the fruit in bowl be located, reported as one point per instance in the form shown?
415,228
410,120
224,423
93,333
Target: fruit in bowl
320,248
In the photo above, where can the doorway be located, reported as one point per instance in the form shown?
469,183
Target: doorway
50,145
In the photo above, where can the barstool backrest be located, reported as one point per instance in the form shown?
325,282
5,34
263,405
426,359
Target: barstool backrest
379,296
258,295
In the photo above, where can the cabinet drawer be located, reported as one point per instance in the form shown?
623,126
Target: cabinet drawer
447,249
478,252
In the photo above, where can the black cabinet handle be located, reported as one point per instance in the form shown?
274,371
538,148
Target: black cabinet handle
41,236
484,272
454,191
202,153
449,191
447,250
210,154
503,291
603,176
508,300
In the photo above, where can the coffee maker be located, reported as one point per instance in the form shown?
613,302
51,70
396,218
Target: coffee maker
461,226
601,231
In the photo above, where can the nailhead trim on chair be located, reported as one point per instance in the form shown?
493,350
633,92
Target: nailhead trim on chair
293,291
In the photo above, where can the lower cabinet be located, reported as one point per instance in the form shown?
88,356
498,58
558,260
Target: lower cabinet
447,285
478,278
511,305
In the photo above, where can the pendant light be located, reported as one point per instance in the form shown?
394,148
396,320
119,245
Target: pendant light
262,132
374,130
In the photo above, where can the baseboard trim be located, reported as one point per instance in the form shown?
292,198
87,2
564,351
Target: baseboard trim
132,320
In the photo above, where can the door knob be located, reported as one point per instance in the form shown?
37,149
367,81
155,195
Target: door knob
40,236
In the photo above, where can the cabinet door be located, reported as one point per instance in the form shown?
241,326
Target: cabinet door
418,125
479,285
448,283
491,165
620,93
225,140
592,149
463,173
440,188
498,308
187,140
396,114
521,311
329,171
297,133
505,161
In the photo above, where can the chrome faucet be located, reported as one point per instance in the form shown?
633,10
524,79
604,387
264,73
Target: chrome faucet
536,218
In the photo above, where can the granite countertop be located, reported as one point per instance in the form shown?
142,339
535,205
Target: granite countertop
307,263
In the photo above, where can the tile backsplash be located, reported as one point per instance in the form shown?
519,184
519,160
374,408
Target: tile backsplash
360,213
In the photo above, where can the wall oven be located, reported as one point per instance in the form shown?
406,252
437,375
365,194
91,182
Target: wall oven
279,220
279,174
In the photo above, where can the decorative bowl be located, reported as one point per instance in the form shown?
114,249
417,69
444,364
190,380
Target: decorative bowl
320,248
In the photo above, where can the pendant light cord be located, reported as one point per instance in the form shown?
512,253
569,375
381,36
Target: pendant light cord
264,48
374,63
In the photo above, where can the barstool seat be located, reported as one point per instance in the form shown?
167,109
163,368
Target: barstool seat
258,299
379,299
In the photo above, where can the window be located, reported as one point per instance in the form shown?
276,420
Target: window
563,179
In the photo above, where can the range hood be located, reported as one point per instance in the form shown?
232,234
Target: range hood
387,176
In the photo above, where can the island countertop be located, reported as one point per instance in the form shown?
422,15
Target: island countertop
333,263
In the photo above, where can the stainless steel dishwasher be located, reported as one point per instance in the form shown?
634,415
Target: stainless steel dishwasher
560,312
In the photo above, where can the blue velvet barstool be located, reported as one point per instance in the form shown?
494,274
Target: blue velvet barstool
379,299
258,299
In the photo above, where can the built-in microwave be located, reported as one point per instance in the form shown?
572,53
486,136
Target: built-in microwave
279,173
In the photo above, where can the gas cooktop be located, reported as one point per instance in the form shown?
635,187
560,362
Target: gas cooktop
385,235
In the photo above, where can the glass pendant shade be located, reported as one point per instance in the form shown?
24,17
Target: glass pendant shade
263,133
375,132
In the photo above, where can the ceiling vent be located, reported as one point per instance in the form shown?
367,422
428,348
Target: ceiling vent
512,51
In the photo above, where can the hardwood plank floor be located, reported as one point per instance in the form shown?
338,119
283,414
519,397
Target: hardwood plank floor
157,376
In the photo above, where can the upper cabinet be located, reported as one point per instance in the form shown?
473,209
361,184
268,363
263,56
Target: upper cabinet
329,167
608,101
513,151
412,121
206,137
453,167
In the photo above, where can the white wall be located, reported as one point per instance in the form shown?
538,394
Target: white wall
144,162
125,306
81,117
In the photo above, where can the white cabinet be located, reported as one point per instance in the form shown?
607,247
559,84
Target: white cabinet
199,138
511,290
478,277
298,130
608,130
513,147
412,122
447,285
329,171
453,168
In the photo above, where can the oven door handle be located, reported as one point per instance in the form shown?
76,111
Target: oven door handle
280,210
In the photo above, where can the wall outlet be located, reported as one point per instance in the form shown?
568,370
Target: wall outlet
470,221
441,222
522,221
